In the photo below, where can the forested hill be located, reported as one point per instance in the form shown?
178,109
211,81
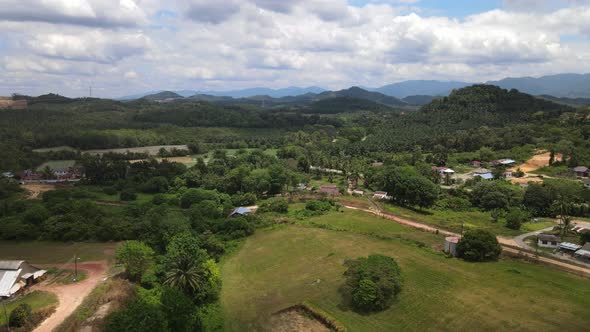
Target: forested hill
492,106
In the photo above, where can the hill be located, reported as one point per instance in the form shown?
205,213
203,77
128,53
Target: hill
561,85
274,93
567,101
420,87
419,100
164,95
491,106
358,93
345,105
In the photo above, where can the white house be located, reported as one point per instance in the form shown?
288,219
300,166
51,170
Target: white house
380,195
548,241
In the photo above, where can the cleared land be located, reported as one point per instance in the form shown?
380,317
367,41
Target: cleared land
151,150
36,189
537,161
37,252
278,268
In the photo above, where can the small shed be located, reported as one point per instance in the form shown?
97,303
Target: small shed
485,176
581,171
358,192
380,195
583,253
240,211
548,241
16,275
569,247
451,245
330,190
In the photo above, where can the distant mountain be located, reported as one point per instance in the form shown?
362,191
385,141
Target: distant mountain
274,93
561,85
358,93
164,95
420,87
209,98
419,100
567,101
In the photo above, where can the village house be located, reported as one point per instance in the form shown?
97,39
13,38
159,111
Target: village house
330,190
581,171
240,211
380,195
502,162
568,247
507,174
443,170
475,163
548,241
358,192
15,276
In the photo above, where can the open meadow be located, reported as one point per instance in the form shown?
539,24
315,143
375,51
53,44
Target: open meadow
38,252
280,267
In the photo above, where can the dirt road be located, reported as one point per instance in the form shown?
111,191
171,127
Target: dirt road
71,296
508,244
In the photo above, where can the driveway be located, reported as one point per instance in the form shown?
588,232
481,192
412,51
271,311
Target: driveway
71,296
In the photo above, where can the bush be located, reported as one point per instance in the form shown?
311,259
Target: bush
372,283
478,246
136,317
20,315
127,195
109,191
275,205
243,199
319,206
515,217
159,199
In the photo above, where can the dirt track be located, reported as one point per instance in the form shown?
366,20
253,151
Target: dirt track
508,244
537,161
71,296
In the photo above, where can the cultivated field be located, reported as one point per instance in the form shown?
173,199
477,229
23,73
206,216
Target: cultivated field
277,268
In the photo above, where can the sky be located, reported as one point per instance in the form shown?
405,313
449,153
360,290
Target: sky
122,47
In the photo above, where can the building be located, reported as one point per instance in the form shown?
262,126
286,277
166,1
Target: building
503,162
358,192
569,247
451,245
548,241
240,211
377,164
330,190
443,170
380,195
581,171
507,174
485,176
16,276
475,163
583,253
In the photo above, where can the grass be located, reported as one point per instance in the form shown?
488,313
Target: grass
65,276
36,299
452,220
278,268
38,252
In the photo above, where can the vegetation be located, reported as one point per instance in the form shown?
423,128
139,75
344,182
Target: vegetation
35,301
372,283
479,246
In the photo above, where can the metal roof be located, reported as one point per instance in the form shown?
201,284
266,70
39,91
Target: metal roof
583,252
10,265
569,246
548,237
7,280
241,210
485,176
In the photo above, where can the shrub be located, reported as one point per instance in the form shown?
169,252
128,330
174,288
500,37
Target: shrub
321,206
127,195
372,283
478,246
242,199
109,191
137,316
515,217
275,205
20,315
159,199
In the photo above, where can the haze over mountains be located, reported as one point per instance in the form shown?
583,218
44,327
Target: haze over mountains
419,91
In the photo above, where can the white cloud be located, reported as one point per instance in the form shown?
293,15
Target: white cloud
198,44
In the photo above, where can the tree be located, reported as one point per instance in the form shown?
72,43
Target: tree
190,270
478,246
137,316
128,195
515,217
179,309
372,283
20,315
136,257
275,204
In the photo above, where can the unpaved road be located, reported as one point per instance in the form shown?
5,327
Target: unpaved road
71,296
508,244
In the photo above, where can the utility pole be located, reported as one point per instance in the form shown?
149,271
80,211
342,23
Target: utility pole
75,267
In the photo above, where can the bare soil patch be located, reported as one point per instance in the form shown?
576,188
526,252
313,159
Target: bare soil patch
537,161
294,321
36,189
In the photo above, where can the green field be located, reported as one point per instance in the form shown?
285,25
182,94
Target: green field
284,266
452,220
37,252
36,299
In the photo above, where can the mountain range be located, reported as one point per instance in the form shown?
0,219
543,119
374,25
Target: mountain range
560,85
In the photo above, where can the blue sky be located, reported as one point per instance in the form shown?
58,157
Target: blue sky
129,46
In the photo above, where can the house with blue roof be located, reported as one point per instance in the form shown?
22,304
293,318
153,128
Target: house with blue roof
240,211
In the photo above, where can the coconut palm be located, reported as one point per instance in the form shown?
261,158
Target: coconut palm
185,274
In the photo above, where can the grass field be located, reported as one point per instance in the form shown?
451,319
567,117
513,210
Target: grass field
37,252
451,220
278,268
36,299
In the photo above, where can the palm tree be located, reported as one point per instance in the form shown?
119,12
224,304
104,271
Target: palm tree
185,274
